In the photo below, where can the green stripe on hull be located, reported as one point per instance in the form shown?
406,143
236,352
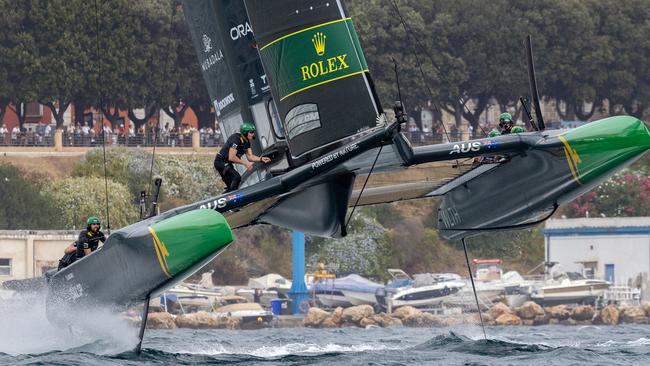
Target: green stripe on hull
599,147
183,240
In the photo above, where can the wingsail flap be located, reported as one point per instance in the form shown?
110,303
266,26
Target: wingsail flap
318,75
209,46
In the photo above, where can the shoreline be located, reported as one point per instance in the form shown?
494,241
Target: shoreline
529,314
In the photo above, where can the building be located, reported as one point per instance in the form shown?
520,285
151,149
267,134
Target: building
29,254
613,249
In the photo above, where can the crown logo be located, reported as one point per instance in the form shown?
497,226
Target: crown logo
319,43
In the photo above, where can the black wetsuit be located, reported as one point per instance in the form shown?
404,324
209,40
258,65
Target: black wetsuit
225,167
87,240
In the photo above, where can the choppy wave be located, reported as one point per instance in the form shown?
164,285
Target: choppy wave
111,345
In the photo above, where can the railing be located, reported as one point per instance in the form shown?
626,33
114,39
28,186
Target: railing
173,139
623,295
32,139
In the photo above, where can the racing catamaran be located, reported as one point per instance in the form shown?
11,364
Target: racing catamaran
303,80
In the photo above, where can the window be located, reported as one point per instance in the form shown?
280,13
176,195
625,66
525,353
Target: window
5,267
33,109
278,128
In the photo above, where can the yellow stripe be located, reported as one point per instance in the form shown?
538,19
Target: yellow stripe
304,30
161,252
572,158
321,83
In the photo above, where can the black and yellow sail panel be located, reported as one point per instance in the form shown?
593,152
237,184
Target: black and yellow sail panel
316,69
185,239
314,56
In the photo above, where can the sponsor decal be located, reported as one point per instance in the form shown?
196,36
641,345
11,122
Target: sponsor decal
319,43
207,43
450,217
223,103
491,144
333,156
223,201
211,60
466,147
314,56
322,67
240,30
234,198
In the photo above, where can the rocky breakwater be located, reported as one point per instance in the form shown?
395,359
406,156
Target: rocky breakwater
364,316
531,313
198,320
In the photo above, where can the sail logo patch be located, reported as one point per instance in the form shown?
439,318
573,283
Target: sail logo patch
319,43
313,57
207,43
316,69
240,30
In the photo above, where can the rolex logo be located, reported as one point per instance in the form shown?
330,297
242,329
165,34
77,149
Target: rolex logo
319,43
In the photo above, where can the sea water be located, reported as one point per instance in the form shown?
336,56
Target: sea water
26,337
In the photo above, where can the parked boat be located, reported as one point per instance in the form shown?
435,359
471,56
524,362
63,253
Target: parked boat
358,290
271,281
570,288
252,314
425,290
346,291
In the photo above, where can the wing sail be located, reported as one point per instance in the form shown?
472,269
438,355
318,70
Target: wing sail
318,75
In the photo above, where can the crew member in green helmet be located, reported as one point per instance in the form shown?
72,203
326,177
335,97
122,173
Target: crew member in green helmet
87,242
506,126
231,153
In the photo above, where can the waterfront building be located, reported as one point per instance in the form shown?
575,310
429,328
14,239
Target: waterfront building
613,249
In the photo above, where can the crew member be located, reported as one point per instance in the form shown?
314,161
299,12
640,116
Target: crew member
506,126
237,145
87,243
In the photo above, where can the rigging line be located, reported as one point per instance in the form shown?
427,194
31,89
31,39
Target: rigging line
409,32
101,105
469,271
155,135
363,187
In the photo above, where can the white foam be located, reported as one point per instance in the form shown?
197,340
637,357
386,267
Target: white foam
281,350
25,329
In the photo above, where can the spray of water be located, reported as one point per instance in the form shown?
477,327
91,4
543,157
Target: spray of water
25,329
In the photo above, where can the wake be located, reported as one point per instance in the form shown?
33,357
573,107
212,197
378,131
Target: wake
25,329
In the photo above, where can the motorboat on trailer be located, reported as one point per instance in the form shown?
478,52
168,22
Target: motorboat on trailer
346,291
358,290
424,290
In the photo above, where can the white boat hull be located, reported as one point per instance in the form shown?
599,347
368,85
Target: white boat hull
333,300
360,298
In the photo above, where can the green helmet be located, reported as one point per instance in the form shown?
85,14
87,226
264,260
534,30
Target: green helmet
93,220
517,129
505,117
494,133
246,127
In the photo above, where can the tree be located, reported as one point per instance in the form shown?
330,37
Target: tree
78,198
626,194
386,42
22,206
